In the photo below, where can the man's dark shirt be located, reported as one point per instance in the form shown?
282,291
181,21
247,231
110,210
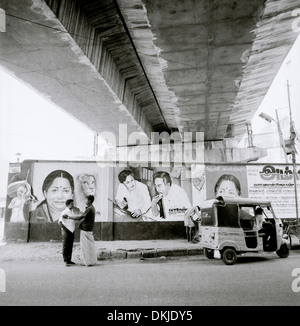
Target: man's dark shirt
89,219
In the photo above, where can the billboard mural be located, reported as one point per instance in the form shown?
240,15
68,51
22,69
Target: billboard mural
272,182
19,193
37,190
151,194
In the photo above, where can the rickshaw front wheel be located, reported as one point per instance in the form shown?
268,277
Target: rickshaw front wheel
283,251
209,253
229,256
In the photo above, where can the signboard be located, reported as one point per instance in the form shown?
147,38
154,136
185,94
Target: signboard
275,183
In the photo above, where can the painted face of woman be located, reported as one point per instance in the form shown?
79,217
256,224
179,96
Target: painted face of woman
58,193
227,188
130,183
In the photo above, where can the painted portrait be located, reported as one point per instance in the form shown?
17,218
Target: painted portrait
132,197
55,182
57,187
20,192
226,181
20,196
150,194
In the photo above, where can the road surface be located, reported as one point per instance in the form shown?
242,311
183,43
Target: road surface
182,281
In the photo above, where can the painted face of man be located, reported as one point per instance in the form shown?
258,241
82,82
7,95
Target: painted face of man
58,193
88,185
130,183
227,188
161,187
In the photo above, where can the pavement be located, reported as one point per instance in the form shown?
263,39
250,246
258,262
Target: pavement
106,250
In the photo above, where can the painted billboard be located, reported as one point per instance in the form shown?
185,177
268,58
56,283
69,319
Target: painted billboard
37,190
274,182
151,194
19,193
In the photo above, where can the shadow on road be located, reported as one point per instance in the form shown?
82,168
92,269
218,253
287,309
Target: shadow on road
252,259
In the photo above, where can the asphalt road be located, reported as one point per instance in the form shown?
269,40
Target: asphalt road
185,281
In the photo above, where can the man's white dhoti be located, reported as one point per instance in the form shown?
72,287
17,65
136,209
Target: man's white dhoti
87,245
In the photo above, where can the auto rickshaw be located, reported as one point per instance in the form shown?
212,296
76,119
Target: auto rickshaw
229,229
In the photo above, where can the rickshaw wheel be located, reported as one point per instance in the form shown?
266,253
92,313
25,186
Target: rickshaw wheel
283,251
209,253
229,256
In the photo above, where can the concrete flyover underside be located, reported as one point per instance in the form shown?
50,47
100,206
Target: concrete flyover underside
152,65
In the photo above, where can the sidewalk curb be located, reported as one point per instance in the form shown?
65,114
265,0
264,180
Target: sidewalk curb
39,251
104,254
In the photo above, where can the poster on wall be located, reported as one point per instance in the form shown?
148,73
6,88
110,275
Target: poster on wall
274,182
55,182
151,194
19,193
226,180
38,192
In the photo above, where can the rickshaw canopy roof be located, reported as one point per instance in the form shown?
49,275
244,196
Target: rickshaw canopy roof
244,201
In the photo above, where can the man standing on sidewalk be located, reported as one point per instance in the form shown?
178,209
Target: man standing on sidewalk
87,243
68,231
